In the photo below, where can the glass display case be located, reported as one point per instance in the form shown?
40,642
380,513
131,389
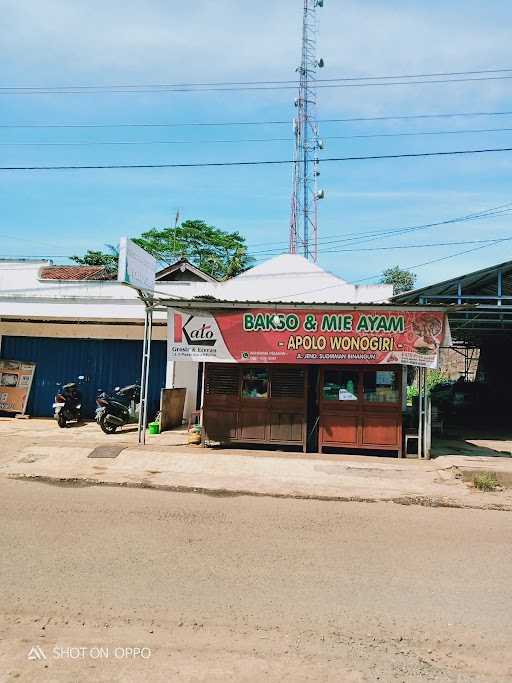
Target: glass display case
381,386
340,385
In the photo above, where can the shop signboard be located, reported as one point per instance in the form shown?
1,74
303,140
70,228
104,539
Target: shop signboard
136,267
15,382
380,336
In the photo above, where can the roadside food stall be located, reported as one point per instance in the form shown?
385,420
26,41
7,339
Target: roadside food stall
277,376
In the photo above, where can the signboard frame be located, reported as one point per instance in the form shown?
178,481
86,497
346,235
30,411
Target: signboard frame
136,267
12,398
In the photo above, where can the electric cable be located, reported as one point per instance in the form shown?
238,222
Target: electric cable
225,86
330,238
92,143
363,119
418,265
371,237
267,162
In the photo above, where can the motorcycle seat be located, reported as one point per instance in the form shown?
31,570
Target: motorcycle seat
128,389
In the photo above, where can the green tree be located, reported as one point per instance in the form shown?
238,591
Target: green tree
402,280
99,258
217,252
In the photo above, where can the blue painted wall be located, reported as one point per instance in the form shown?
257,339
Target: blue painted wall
105,364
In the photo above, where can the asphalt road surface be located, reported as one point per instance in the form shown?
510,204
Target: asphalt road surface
113,584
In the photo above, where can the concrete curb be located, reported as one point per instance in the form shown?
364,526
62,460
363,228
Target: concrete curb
424,501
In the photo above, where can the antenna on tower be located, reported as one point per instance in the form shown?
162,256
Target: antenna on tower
305,194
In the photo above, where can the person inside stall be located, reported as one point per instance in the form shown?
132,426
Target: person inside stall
255,383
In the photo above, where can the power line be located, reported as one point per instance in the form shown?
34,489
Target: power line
412,246
90,143
357,249
258,88
371,237
264,82
401,117
140,142
277,162
419,133
421,75
418,265
349,237
484,213
444,258
344,81
402,246
32,256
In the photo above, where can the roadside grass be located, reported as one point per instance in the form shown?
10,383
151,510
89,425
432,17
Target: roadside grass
485,481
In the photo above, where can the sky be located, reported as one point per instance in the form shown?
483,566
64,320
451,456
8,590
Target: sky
50,43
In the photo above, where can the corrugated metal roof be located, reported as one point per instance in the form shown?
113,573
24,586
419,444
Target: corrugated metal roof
211,302
444,285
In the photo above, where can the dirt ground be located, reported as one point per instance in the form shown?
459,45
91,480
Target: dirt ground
118,584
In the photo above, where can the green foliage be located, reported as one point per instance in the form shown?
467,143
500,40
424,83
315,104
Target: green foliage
99,258
401,279
485,481
435,377
217,252
412,392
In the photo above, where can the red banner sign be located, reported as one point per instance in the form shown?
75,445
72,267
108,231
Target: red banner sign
409,337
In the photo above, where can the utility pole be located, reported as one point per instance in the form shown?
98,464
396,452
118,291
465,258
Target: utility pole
305,194
176,221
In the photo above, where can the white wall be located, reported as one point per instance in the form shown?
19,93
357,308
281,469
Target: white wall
24,295
183,374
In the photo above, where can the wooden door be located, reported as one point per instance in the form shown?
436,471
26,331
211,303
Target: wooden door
381,408
361,408
340,399
288,404
221,400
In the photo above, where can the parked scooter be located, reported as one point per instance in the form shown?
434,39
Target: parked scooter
118,408
68,404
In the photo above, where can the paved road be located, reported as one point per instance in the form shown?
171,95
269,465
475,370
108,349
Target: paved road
247,588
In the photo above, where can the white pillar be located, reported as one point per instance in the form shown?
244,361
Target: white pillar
170,374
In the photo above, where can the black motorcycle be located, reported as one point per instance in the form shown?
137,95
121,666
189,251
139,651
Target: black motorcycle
118,408
68,404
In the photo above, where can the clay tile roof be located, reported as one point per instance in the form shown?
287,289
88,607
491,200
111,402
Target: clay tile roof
75,273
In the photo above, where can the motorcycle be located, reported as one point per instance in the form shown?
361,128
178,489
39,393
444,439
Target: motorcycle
68,404
118,408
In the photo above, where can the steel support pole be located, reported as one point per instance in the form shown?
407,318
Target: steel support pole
142,375
426,422
144,378
420,412
201,414
148,363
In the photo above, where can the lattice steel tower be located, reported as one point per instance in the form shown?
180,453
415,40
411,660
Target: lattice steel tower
305,194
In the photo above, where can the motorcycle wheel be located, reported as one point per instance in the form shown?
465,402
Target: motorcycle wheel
61,420
105,427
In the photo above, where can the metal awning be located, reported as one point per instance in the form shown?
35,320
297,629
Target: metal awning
479,304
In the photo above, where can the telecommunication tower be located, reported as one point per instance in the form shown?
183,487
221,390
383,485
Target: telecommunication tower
305,193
